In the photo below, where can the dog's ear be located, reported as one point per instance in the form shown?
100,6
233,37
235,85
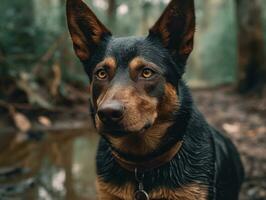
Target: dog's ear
85,29
176,28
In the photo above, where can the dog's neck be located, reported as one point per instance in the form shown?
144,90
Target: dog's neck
150,163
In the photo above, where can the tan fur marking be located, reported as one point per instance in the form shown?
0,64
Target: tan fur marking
107,191
109,62
169,103
188,192
191,191
82,54
141,144
79,41
138,62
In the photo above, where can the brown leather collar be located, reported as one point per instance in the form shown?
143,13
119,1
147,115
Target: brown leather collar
150,164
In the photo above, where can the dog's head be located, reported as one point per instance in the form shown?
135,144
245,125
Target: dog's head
134,80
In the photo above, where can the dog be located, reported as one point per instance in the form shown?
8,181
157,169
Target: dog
154,143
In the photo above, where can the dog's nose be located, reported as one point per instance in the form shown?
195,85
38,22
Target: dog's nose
111,112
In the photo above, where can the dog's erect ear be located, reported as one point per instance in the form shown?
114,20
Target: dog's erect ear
176,28
86,30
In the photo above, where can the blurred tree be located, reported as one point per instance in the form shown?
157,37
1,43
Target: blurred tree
16,36
214,58
146,6
251,61
111,13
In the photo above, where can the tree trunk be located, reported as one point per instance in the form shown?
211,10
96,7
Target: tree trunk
111,13
146,5
251,61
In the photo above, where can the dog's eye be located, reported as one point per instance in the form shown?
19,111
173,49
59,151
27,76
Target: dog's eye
101,74
147,73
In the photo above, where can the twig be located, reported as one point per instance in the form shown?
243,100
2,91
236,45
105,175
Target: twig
28,107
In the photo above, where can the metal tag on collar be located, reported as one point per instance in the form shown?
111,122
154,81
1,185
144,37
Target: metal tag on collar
140,194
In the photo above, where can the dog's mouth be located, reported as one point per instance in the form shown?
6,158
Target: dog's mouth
124,131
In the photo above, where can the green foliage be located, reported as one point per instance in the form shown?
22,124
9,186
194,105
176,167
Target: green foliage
22,42
214,59
264,20
28,28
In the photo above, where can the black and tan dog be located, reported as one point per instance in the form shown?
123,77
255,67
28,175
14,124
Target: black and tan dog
154,142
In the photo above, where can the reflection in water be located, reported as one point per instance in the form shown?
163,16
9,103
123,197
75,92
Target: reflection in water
50,165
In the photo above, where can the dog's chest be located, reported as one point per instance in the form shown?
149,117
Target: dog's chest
193,191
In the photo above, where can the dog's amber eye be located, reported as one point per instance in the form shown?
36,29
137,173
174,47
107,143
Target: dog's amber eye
101,74
147,73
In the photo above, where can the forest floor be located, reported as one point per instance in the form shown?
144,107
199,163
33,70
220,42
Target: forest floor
243,119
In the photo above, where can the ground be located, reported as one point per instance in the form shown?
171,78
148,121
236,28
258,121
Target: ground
243,119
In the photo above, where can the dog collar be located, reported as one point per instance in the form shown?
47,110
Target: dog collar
149,164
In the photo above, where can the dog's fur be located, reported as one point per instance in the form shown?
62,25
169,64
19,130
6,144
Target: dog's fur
141,77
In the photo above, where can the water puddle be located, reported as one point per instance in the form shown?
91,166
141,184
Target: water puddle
48,165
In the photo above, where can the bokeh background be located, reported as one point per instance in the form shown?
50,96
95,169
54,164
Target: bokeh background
47,142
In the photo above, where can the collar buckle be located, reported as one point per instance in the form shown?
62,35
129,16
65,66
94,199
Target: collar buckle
140,194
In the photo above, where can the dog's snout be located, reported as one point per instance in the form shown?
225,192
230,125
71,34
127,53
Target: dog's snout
111,112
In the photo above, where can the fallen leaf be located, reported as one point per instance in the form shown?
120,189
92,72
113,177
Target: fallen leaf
21,122
231,128
45,121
